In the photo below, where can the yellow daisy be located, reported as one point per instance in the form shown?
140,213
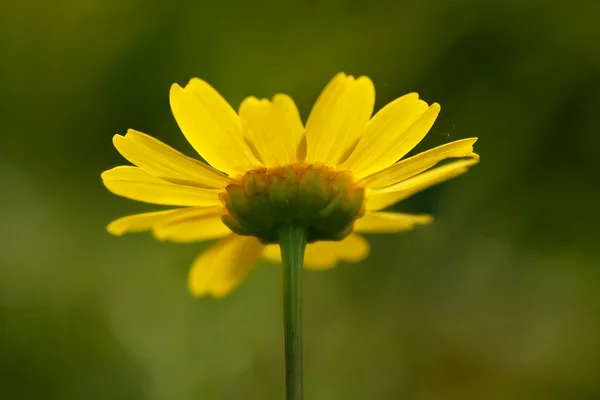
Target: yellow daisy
265,168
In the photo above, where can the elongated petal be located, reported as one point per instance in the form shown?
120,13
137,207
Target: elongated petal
212,127
192,225
338,118
379,199
420,162
324,255
162,161
138,222
274,128
136,184
390,134
389,222
222,267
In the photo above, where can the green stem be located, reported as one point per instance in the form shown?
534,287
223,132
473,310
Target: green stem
292,241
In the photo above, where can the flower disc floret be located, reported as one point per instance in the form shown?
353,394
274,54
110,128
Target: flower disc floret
315,197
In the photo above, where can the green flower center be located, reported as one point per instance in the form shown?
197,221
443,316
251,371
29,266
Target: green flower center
322,201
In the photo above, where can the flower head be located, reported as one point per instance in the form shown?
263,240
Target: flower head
265,170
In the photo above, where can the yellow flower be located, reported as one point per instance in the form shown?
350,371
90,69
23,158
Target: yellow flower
349,156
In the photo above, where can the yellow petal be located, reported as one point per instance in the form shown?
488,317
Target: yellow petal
338,119
136,184
389,222
222,267
323,255
192,225
422,161
138,222
379,199
274,128
162,161
212,127
390,134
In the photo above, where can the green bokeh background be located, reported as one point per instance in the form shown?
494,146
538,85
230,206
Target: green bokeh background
499,299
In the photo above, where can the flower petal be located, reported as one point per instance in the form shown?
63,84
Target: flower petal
192,225
212,127
389,222
338,118
324,255
411,166
390,134
138,222
274,128
222,267
379,199
162,161
136,184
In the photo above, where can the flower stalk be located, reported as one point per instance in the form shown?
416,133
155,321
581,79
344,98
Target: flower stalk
292,240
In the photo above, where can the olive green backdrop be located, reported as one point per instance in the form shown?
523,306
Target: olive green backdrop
498,299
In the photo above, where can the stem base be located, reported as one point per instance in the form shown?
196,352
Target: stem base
292,241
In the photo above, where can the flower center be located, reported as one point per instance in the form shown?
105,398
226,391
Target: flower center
322,201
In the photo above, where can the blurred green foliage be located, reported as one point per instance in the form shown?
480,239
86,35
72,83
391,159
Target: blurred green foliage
498,299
